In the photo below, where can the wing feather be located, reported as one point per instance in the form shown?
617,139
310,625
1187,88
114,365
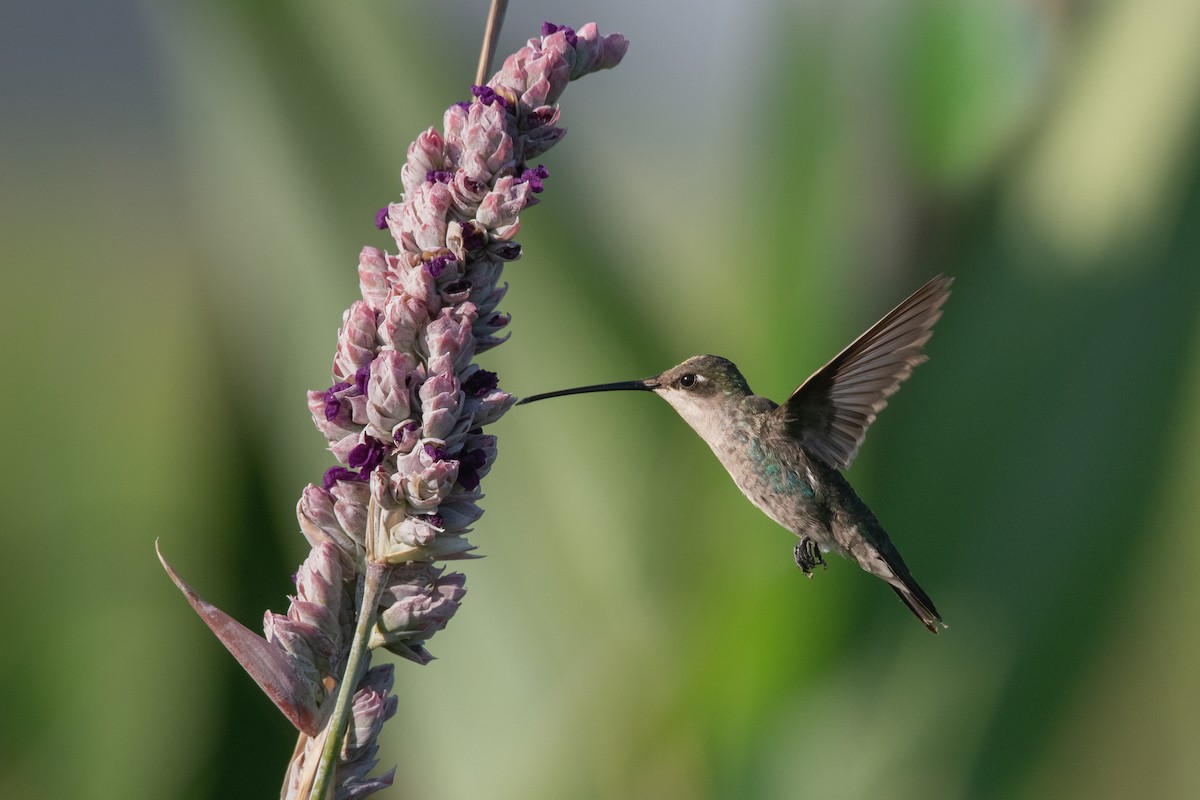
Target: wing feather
830,412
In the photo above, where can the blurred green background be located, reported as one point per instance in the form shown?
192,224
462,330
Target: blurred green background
186,186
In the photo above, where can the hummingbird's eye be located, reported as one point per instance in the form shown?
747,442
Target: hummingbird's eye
687,381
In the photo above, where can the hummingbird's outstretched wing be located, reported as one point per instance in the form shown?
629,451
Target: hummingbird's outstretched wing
830,413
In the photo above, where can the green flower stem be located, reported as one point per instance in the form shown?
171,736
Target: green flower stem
356,665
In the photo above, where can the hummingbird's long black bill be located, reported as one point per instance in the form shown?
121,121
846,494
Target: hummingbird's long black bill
624,386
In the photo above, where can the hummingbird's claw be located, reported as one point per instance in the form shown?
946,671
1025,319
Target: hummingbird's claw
808,556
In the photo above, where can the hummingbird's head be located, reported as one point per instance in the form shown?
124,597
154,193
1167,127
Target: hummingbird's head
698,388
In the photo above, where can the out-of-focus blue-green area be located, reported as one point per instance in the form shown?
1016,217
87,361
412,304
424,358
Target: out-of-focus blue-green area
186,186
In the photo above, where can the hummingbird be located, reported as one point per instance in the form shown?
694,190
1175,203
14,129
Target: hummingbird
787,459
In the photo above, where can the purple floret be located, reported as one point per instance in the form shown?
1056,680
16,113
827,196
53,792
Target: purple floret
487,95
480,383
549,28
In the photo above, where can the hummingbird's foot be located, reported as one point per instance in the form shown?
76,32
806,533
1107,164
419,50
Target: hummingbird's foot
808,556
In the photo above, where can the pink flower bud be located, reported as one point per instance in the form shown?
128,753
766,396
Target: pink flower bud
388,393
537,72
356,340
295,639
420,279
342,448
319,593
456,293
539,120
439,423
455,122
455,239
406,435
449,341
410,306
490,407
541,140
425,155
370,708
486,138
467,193
332,412
350,500
422,221
441,399
440,391
372,277
320,525
424,490
595,52
501,206
415,531
418,601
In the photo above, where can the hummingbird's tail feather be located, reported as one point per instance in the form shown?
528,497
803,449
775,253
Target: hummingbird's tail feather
915,598
859,535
